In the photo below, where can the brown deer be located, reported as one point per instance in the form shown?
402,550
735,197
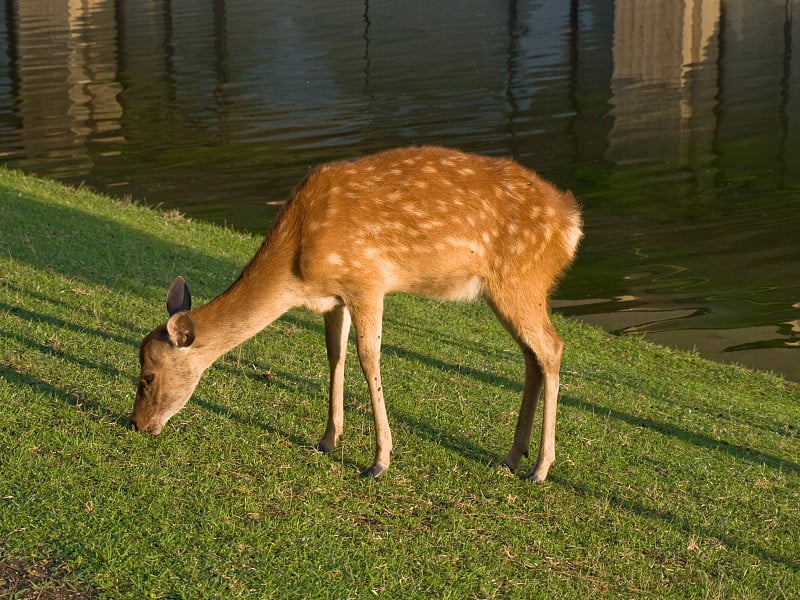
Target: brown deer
427,220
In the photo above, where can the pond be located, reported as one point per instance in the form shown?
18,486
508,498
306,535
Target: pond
676,125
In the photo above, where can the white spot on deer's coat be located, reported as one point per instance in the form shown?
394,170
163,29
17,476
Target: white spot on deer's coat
413,210
334,259
433,224
518,248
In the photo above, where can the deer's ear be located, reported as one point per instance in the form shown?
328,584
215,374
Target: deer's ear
178,296
181,329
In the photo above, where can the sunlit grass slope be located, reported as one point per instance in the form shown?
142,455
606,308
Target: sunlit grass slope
675,477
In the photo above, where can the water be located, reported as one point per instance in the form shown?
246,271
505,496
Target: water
676,124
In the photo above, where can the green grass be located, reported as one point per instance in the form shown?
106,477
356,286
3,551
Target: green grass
675,477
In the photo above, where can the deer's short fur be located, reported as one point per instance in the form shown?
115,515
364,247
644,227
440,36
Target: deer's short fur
429,221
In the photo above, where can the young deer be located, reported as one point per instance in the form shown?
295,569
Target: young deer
427,220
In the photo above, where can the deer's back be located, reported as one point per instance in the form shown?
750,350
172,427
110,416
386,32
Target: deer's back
430,220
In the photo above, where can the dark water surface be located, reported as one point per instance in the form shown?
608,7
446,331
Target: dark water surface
676,124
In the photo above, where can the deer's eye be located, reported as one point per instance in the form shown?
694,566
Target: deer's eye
148,379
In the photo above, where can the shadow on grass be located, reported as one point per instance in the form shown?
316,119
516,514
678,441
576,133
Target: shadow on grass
675,519
68,397
79,245
35,317
247,421
277,379
426,431
40,301
698,439
46,350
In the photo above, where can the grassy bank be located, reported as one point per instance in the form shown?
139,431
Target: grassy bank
675,477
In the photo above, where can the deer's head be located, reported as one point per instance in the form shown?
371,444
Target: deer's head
168,375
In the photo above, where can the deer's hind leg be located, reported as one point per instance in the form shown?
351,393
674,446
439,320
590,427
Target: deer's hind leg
542,349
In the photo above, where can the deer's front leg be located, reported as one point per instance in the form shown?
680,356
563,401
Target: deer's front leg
547,447
337,329
367,318
550,352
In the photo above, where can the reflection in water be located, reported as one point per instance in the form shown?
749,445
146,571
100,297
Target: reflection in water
665,79
66,88
675,123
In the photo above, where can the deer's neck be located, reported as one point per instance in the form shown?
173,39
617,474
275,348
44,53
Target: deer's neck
265,290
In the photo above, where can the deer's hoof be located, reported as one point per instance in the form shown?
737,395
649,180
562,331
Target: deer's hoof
324,447
374,471
535,476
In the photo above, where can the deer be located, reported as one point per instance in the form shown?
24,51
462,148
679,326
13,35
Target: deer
427,220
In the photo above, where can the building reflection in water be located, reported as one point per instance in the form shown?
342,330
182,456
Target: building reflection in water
65,73
665,79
